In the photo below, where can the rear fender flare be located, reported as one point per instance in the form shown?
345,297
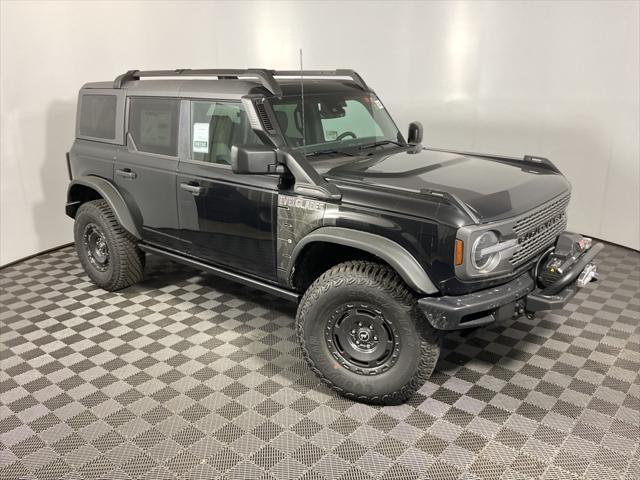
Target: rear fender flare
403,262
110,194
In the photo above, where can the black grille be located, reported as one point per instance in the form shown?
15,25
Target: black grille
264,118
539,229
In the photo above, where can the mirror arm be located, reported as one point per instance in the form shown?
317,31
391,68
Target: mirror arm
308,180
278,169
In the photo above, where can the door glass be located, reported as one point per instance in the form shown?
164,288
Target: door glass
216,127
153,124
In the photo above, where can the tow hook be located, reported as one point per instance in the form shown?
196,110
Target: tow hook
521,310
589,274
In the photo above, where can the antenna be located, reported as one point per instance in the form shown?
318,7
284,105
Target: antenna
304,134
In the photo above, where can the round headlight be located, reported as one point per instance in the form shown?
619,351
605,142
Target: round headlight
485,262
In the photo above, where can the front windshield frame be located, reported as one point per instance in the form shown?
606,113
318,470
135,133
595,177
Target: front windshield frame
387,131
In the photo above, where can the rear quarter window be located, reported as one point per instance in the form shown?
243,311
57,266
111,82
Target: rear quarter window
98,116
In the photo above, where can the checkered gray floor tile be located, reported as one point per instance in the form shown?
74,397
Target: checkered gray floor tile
187,376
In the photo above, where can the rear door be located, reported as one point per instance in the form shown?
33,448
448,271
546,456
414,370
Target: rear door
228,219
146,167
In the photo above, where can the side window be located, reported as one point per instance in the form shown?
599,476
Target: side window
153,124
216,127
98,116
354,118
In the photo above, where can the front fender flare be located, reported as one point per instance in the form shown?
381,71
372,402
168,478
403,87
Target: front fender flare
110,194
394,254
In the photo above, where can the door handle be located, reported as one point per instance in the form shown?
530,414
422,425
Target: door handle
193,188
127,173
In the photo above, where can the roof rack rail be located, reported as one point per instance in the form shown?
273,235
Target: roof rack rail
266,77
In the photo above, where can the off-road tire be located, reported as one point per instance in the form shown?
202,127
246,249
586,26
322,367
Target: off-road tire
379,285
126,260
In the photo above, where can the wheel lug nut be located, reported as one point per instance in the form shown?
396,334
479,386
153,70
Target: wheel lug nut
353,331
359,324
357,342
370,327
375,338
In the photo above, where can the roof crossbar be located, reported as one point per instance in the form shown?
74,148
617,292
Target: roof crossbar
266,77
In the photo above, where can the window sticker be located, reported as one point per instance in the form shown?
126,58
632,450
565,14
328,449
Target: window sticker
378,104
330,134
200,138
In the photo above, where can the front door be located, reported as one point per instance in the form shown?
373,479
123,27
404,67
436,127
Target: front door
228,219
145,169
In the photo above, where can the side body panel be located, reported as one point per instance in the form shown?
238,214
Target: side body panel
151,194
297,217
423,226
231,221
428,242
304,221
147,181
87,157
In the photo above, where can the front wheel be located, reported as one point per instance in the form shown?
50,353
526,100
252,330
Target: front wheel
363,335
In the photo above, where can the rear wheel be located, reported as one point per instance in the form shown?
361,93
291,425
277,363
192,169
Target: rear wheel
108,253
362,334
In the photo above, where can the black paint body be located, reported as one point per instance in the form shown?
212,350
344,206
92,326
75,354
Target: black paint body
386,194
251,224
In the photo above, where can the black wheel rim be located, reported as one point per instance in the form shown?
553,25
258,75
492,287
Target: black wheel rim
95,244
362,340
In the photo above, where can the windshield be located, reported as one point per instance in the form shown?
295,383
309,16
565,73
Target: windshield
334,121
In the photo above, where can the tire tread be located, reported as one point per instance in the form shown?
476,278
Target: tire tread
129,266
375,275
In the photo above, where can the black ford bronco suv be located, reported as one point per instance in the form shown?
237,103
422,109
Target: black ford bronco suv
299,183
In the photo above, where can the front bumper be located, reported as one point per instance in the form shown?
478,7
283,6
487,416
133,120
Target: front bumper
506,301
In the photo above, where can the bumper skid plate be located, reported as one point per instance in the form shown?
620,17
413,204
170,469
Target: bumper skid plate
509,300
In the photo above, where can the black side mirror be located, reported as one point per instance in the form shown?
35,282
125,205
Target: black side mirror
254,159
415,133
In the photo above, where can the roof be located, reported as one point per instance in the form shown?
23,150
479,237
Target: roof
226,88
232,83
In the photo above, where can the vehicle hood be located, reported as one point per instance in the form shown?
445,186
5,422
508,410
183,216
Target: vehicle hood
491,189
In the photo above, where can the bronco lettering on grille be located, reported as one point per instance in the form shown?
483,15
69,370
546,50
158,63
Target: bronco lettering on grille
542,228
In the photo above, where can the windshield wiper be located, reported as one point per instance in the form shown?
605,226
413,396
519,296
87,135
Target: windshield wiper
361,147
379,144
323,152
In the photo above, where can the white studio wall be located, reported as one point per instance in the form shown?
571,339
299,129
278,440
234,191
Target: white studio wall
559,80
